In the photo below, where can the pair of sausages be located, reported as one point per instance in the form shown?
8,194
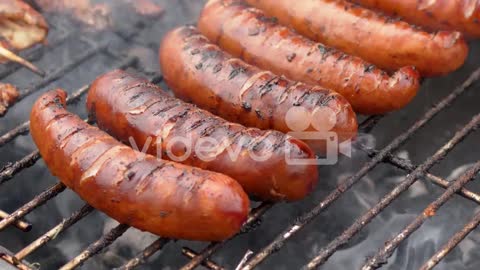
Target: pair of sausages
129,107
247,32
460,15
386,42
200,72
162,197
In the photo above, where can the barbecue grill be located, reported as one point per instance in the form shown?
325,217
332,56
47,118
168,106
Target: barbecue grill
405,200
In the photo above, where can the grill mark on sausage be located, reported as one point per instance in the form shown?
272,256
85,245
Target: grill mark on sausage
56,118
147,180
196,125
65,139
164,109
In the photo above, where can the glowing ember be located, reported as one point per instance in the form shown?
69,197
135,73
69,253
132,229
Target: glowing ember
429,212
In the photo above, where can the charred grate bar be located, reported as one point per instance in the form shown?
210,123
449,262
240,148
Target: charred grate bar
30,206
213,247
145,254
31,55
202,258
96,247
207,263
19,224
57,74
409,167
452,243
50,235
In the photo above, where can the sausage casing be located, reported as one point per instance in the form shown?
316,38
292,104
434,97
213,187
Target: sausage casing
386,42
128,106
162,197
460,15
247,33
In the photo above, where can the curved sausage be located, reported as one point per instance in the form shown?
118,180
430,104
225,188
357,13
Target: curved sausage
261,41
383,41
460,15
200,72
154,195
128,106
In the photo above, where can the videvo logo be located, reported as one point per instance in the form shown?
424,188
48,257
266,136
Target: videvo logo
315,128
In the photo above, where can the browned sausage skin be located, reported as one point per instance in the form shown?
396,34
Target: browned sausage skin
383,41
128,106
460,15
246,32
158,196
200,72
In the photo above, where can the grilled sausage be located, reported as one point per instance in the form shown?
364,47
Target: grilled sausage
201,72
128,106
261,41
461,15
154,195
383,41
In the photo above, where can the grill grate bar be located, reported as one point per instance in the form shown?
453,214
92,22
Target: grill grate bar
382,255
304,219
61,71
10,170
213,247
96,247
54,232
19,224
21,129
145,254
368,124
452,243
30,206
366,218
24,128
406,165
207,263
31,54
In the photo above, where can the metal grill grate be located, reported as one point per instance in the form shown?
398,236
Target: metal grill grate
386,156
